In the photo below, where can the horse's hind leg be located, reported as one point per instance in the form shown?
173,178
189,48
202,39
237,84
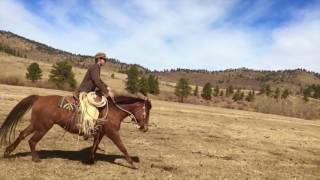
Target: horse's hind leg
34,140
26,132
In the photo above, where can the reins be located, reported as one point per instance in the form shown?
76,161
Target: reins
131,115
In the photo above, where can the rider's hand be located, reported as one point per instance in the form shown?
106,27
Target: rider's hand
110,93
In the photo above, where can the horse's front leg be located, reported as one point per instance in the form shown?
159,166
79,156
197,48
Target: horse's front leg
115,138
96,142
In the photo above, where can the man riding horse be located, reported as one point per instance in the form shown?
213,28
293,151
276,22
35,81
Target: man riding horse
46,112
92,80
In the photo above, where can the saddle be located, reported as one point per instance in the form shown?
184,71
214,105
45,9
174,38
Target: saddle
86,111
69,103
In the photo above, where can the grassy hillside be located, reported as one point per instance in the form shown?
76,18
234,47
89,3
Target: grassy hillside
16,67
26,48
240,78
184,142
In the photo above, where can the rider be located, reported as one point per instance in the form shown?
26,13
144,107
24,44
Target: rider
92,80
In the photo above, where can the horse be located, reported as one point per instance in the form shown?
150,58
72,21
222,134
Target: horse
46,113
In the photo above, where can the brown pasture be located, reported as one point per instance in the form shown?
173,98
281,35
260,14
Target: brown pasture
183,142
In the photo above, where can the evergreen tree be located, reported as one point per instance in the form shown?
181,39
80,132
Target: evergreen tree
251,96
307,94
143,86
133,79
216,91
156,87
34,72
207,91
182,90
241,95
277,93
229,91
61,73
221,93
196,91
153,84
262,90
268,90
238,95
285,94
316,91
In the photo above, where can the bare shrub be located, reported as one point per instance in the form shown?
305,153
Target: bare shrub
19,81
12,80
290,107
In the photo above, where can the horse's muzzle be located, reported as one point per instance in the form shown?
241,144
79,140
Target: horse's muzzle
143,128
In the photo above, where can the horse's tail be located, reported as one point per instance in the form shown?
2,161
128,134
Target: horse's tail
10,123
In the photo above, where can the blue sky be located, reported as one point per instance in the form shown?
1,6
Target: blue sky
164,34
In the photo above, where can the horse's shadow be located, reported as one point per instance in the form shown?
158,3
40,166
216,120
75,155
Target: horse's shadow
81,155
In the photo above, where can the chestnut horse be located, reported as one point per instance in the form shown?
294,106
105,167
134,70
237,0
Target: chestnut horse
46,113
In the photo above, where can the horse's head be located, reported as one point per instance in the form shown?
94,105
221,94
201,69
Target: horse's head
141,113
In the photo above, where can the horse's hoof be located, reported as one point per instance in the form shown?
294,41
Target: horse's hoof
91,161
134,167
37,160
6,154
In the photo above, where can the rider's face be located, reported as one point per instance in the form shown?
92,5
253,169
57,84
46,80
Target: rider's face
102,61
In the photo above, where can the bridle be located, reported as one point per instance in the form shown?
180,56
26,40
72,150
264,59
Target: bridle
131,115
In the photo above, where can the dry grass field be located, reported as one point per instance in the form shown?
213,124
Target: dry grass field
184,142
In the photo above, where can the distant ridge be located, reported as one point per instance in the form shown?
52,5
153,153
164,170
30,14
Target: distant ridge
24,47
244,78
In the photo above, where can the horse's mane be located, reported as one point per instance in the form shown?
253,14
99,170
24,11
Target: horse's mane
130,100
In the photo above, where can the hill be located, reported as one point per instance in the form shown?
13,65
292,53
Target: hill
239,78
22,47
245,78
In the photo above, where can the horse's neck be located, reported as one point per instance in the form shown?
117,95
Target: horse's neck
127,107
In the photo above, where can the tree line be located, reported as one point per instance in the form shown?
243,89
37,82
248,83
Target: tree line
140,82
62,75
183,90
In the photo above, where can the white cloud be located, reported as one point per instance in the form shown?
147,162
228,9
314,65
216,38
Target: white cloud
171,34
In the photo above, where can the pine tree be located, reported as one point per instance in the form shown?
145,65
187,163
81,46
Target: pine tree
221,93
307,93
207,91
229,91
216,91
268,90
34,72
316,91
61,73
156,89
277,93
237,96
182,90
285,94
251,96
196,91
153,84
143,86
133,79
